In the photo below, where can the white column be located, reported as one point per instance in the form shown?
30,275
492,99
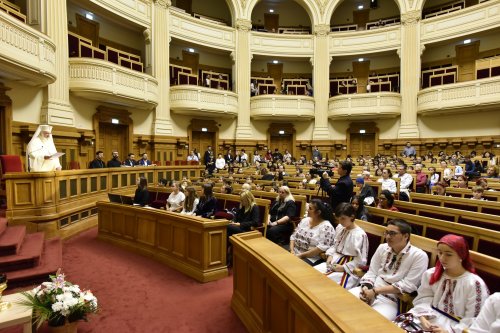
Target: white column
162,124
321,73
56,109
242,63
410,73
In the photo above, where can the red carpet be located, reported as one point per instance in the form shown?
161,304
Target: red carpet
138,294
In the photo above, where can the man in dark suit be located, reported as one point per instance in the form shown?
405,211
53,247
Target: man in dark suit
342,191
97,162
209,153
144,160
114,162
130,161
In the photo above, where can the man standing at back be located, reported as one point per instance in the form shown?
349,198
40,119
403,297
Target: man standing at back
114,162
209,153
342,191
40,150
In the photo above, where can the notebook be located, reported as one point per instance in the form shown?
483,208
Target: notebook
116,198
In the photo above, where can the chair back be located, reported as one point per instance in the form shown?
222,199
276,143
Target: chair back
74,165
11,163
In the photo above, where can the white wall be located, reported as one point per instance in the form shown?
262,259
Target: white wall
387,61
289,65
26,102
219,59
290,13
343,13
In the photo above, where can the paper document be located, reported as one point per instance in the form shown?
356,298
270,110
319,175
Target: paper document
56,155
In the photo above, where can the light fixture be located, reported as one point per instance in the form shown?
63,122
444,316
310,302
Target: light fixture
281,132
275,61
361,59
467,41
362,131
89,16
271,10
191,50
115,121
360,7
204,129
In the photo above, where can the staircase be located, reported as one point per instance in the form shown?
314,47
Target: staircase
27,258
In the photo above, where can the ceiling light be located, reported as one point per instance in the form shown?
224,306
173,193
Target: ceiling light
115,121
204,129
360,7
281,132
89,16
361,59
271,10
362,131
191,50
467,41
275,61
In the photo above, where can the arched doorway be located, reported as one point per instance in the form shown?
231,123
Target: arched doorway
282,137
362,139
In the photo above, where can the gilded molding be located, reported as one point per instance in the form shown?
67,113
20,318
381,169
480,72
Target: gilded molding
322,30
243,25
411,17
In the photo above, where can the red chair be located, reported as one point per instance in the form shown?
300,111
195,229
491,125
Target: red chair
158,163
168,163
194,162
74,165
9,163
177,162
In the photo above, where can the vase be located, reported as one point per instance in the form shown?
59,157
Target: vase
66,328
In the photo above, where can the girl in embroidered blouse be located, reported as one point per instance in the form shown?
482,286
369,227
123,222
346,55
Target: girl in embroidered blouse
349,250
451,294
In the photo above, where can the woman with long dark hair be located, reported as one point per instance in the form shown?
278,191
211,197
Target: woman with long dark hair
207,204
191,201
141,196
314,234
451,294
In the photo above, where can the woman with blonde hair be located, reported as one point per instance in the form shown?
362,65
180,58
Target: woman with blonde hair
247,215
191,201
280,216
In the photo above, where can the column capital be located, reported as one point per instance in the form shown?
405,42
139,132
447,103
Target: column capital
322,30
411,17
147,35
163,3
243,25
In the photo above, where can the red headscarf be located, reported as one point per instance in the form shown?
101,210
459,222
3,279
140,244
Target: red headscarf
459,245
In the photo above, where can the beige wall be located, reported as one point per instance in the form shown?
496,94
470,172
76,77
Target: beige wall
289,65
463,125
290,13
343,13
214,8
387,61
219,59
26,102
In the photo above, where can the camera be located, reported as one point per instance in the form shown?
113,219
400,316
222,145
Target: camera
319,172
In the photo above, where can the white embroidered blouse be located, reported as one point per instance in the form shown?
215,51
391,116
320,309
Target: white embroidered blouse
307,238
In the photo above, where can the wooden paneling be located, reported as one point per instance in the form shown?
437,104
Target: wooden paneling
198,248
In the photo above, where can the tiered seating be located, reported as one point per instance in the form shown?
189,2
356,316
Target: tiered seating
344,27
383,23
439,76
12,9
83,47
217,80
488,67
483,206
295,86
444,9
388,82
182,75
27,258
294,30
342,86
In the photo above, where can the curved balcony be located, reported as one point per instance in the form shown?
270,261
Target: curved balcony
201,101
105,81
26,55
282,107
356,42
138,11
460,97
184,26
365,106
281,44
465,22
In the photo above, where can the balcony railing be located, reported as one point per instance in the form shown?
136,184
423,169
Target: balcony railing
201,101
107,82
366,106
25,54
463,96
282,107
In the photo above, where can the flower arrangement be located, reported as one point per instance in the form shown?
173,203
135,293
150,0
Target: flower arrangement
59,302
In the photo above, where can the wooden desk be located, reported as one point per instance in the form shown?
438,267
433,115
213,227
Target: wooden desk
16,314
192,245
274,291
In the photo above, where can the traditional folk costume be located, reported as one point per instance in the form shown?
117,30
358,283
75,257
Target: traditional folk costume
488,320
350,249
451,302
402,270
307,238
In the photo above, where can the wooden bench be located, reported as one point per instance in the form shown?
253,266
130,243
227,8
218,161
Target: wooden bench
274,291
190,244
481,206
479,239
467,193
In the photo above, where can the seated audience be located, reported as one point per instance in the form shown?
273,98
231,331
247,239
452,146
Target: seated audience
191,202
206,205
360,211
176,199
447,172
349,249
433,178
387,182
246,217
97,162
314,234
457,169
386,201
488,320
421,184
477,193
114,162
220,162
483,182
450,295
367,193
280,216
440,188
144,160
462,182
405,182
492,172
395,268
130,161
141,196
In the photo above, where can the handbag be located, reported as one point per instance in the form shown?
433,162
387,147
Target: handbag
407,322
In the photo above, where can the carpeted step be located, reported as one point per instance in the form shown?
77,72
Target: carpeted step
3,224
50,263
11,240
27,257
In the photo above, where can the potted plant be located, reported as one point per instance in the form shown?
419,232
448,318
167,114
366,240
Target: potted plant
60,303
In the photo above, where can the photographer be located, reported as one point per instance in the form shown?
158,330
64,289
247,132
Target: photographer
342,191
